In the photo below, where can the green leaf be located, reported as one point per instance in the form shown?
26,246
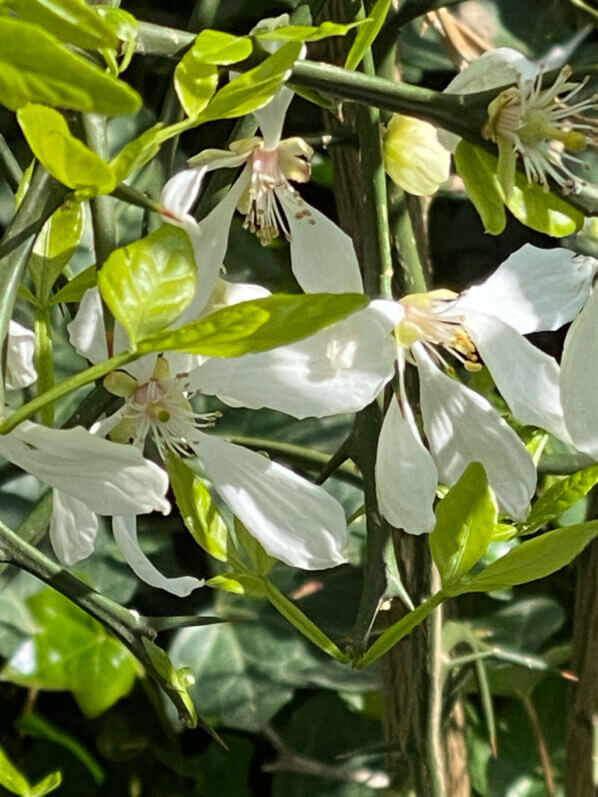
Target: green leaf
254,88
36,67
559,497
46,785
542,210
239,584
67,158
198,511
465,521
307,627
72,21
257,325
72,651
220,49
73,291
11,778
137,153
261,561
307,33
176,680
367,33
533,559
195,82
55,246
149,283
477,168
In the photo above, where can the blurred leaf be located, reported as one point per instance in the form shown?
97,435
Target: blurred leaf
72,651
45,786
533,559
465,520
148,284
31,724
254,88
366,34
307,33
256,325
477,168
54,247
559,497
36,67
198,511
217,48
72,21
195,82
525,624
67,158
239,584
11,778
73,291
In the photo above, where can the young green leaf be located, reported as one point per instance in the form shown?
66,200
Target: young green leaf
261,561
465,521
149,283
254,88
11,778
559,497
477,168
198,511
55,246
174,680
66,158
137,153
257,325
36,67
239,584
73,291
367,33
542,210
307,33
220,49
72,21
532,559
46,785
195,82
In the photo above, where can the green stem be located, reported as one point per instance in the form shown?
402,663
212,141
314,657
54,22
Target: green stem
132,196
44,196
435,753
44,360
63,388
10,166
102,207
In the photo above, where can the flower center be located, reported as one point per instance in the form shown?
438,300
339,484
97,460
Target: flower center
161,409
264,216
430,318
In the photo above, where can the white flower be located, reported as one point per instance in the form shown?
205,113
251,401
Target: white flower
322,255
20,347
294,520
541,125
414,158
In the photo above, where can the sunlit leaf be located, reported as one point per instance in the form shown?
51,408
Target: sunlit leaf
148,284
307,33
55,246
11,778
67,158
465,521
36,67
134,155
542,210
257,325
559,497
477,168
220,49
195,82
367,33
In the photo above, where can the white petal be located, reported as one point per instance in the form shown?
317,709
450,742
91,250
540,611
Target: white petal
20,346
341,368
86,331
226,293
143,368
495,68
180,193
323,257
73,529
579,379
527,377
295,521
406,477
271,117
110,478
534,289
125,534
462,427
209,238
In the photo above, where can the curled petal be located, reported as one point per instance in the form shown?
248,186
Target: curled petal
527,377
20,346
111,479
295,521
180,193
323,257
341,368
462,427
125,534
406,477
579,379
86,331
534,289
73,529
